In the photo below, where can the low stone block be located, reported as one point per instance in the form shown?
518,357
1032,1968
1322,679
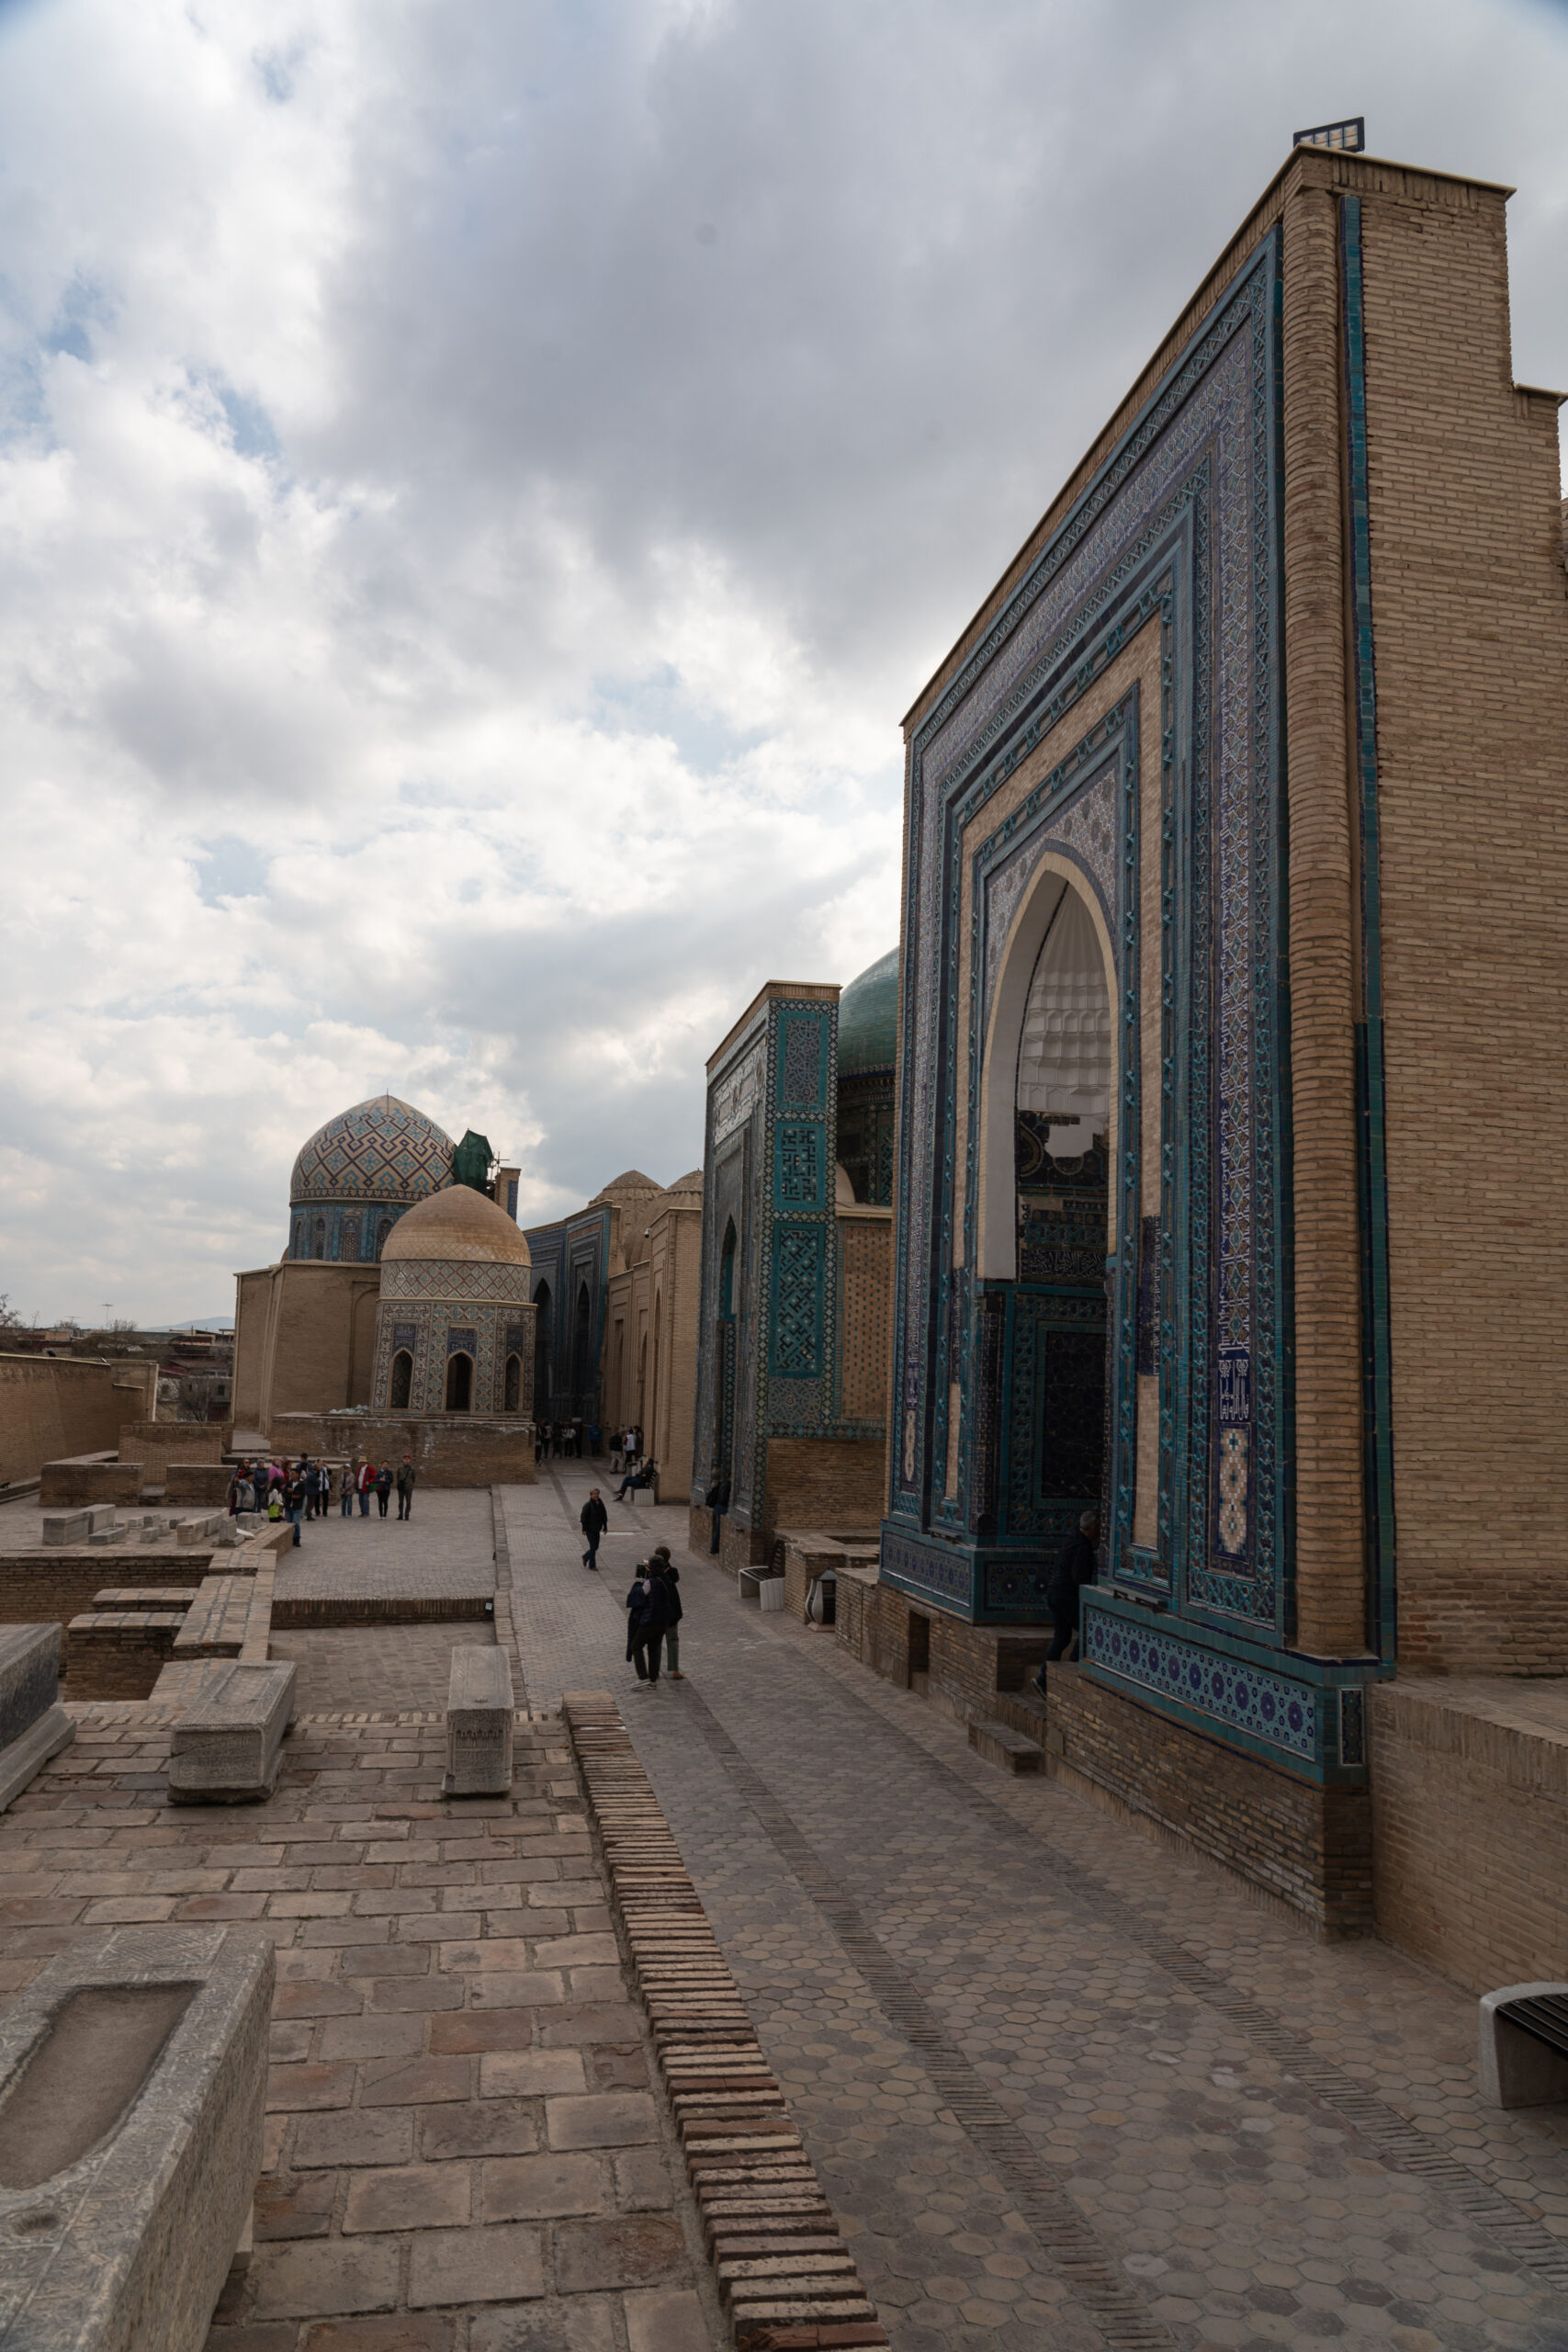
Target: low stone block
228,1748
478,1722
133,2083
33,1725
998,1744
29,1677
1517,2067
66,1526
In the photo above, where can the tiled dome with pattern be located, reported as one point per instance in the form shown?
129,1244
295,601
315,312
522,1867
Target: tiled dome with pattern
868,1019
382,1150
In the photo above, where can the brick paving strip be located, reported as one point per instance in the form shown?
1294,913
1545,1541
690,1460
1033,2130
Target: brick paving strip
783,2267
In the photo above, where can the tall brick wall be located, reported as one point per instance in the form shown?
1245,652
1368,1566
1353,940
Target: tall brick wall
1471,637
821,1482
865,1313
304,1339
1469,1821
54,1407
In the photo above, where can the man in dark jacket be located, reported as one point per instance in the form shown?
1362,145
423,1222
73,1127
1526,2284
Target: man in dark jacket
407,1479
718,1501
648,1603
383,1487
664,1565
1075,1566
593,1519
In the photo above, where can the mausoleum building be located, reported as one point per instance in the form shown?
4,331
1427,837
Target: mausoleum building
1233,960
792,1345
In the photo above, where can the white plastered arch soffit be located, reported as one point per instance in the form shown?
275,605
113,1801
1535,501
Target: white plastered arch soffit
995,1204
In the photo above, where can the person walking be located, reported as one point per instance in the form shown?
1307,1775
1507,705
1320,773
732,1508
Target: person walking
366,1483
1075,1566
718,1501
671,1576
383,1487
648,1606
593,1519
407,1474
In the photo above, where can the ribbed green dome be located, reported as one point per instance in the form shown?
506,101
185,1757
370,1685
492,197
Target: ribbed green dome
868,1019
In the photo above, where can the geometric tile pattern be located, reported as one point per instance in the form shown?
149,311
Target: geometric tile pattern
379,1150
1268,1707
1180,521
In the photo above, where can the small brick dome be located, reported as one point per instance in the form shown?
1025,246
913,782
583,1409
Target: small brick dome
457,1224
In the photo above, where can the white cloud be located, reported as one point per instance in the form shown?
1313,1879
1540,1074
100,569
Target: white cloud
478,486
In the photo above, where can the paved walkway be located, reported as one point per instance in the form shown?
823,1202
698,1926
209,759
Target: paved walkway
375,1668
1067,2087
445,1548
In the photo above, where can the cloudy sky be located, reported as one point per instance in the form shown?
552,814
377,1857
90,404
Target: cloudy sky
481,480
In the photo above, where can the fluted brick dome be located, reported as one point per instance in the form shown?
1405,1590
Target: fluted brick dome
457,1224
383,1152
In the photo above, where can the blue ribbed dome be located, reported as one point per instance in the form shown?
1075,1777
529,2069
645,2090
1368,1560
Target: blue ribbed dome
868,1019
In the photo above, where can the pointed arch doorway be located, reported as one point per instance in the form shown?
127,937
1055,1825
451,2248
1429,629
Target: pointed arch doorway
1045,1217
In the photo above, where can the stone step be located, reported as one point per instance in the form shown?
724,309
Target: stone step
998,1744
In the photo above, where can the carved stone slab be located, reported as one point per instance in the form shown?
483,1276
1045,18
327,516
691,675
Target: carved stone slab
228,1748
132,2087
479,1722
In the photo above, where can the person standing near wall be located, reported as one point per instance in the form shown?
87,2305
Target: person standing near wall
345,1490
1075,1566
593,1519
366,1483
407,1475
383,1487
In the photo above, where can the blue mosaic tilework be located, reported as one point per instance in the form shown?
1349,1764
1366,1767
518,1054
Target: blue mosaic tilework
379,1150
929,1571
1232,1694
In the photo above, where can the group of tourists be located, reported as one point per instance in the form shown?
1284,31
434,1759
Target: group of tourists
304,1489
557,1441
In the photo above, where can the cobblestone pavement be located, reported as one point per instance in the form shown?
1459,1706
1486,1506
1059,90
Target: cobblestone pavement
375,1668
447,1547
1066,2087
462,2151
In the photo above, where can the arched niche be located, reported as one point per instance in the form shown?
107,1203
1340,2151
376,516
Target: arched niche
996,1188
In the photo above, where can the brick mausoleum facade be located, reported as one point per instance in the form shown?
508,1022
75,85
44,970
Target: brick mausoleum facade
792,1336
1233,970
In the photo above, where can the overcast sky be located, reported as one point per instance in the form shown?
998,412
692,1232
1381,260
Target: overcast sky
482,482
